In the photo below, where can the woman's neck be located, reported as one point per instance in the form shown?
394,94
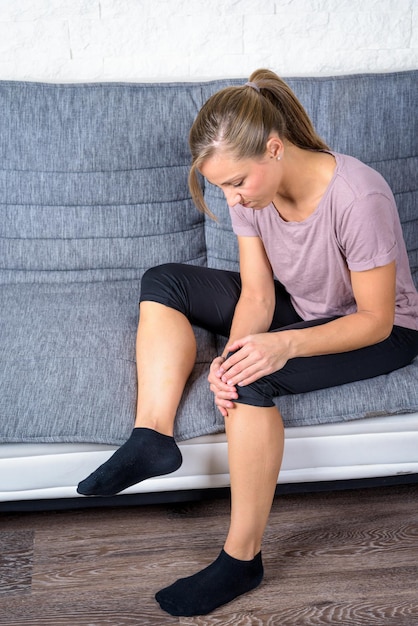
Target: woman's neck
306,176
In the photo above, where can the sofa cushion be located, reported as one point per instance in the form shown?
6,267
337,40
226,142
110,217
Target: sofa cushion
69,366
69,372
93,181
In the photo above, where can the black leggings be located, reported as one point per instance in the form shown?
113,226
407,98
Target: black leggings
207,297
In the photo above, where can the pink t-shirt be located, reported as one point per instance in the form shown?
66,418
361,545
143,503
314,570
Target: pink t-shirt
355,227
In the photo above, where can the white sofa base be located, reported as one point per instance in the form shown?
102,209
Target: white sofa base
367,448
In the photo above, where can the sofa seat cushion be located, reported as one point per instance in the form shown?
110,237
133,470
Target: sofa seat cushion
69,372
68,366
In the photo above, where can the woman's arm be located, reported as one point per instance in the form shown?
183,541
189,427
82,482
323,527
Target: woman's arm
255,307
258,355
253,312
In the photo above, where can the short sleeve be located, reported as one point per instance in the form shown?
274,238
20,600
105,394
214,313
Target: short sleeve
368,234
242,221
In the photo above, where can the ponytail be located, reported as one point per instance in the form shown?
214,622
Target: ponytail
298,128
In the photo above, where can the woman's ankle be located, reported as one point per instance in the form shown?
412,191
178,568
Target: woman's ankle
243,551
162,427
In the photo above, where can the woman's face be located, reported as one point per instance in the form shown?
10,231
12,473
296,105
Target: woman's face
250,182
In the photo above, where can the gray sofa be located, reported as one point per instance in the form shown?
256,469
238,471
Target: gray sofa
93,191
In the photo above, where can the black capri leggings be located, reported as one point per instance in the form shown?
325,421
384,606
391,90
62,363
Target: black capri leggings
207,297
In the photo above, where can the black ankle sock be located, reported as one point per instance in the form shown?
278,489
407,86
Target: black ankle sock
147,453
225,579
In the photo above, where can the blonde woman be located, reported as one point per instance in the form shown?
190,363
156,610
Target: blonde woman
324,297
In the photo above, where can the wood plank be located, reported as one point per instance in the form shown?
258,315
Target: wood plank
16,559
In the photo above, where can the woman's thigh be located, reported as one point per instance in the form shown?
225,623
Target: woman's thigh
206,296
302,375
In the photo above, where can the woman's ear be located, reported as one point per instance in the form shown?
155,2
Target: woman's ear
275,147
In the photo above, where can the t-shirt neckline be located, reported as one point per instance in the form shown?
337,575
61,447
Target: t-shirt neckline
314,215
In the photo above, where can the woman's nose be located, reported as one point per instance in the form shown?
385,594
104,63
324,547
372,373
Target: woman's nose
232,197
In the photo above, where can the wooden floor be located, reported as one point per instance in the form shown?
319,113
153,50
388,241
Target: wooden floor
348,557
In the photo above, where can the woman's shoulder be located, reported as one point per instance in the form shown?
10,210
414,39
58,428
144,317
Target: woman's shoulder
358,177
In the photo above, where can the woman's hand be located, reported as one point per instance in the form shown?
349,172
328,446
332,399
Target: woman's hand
224,393
255,356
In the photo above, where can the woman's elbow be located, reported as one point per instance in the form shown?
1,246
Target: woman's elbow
384,327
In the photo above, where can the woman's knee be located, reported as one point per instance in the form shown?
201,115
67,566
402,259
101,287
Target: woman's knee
254,395
163,284
160,275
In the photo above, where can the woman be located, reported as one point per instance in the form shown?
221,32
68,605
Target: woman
342,308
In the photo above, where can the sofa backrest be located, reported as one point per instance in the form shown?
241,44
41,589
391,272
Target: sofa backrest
370,116
93,180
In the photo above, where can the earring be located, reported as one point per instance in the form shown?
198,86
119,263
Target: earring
279,157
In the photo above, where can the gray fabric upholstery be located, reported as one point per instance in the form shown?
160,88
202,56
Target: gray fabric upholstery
93,181
93,191
69,373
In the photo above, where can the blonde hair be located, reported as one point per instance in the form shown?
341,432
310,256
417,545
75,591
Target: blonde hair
239,120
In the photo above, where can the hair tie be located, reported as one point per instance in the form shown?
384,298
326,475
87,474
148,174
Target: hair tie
253,86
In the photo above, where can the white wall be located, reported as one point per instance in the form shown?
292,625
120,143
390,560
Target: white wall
145,40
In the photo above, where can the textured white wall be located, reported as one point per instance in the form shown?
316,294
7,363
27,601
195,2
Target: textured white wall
146,40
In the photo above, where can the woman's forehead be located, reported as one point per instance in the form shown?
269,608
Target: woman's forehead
223,169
